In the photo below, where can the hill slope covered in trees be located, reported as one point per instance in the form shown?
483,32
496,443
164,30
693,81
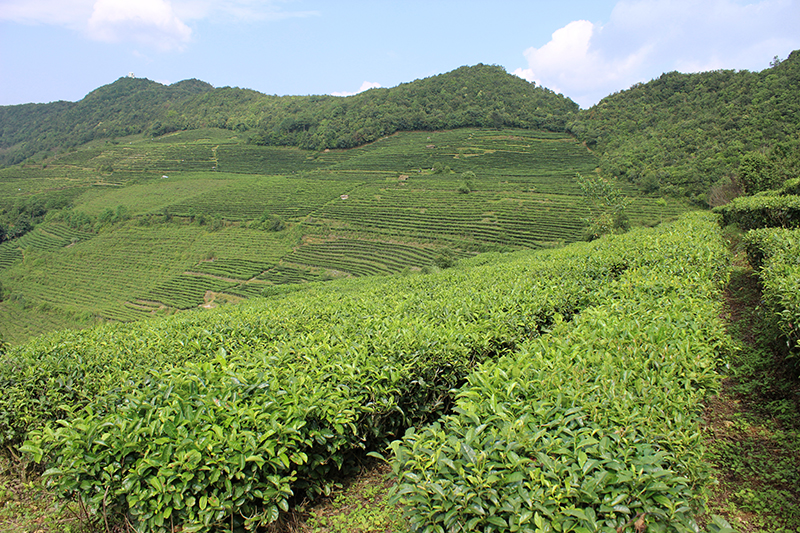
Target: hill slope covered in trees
481,95
683,134
688,135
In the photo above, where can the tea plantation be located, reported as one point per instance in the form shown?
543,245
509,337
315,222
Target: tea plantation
136,227
570,381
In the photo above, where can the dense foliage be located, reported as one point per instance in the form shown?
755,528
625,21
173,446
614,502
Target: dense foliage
219,418
594,426
775,253
481,95
681,134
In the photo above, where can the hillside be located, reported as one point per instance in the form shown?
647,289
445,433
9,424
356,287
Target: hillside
124,107
481,95
128,229
558,385
693,134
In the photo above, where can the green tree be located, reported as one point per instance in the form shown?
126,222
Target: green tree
756,173
468,185
607,207
121,214
445,258
270,222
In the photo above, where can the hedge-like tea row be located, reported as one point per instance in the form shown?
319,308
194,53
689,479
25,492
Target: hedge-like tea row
751,212
466,313
218,417
594,426
775,254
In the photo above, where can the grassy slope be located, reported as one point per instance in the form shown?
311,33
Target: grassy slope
397,215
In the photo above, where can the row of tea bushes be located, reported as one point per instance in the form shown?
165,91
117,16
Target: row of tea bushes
594,426
222,417
467,313
764,210
775,254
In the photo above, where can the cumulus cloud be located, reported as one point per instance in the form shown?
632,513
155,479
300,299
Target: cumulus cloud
364,87
161,24
644,38
151,22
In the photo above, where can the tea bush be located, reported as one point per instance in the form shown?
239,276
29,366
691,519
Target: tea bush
760,211
775,254
221,418
594,426
267,400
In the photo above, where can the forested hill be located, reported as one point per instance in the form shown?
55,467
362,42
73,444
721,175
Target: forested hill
697,134
480,95
125,107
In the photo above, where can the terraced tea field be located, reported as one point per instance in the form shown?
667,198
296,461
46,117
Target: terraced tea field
200,217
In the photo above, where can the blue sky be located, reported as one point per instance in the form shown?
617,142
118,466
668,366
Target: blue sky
63,49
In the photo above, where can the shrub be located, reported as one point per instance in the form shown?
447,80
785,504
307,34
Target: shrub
751,212
775,254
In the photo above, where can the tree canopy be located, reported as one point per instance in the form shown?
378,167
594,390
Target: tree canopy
681,134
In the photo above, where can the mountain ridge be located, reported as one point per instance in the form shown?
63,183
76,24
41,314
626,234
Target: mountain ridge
140,106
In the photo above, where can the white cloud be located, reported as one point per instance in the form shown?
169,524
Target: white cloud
160,24
70,13
364,87
644,38
152,22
